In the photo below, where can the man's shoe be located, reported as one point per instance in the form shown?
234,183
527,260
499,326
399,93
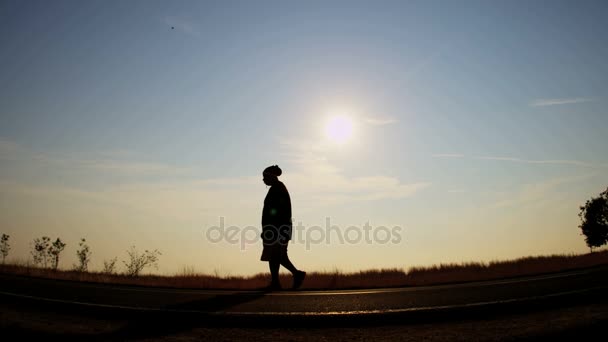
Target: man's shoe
298,279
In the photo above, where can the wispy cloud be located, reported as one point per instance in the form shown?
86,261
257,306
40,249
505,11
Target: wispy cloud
555,102
7,146
457,191
542,161
16,154
448,155
182,24
380,121
522,160
313,181
131,187
134,168
535,193
317,180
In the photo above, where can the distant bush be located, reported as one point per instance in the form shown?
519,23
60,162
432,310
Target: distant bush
137,262
109,266
84,256
4,247
40,251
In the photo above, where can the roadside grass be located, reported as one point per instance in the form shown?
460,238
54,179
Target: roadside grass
375,278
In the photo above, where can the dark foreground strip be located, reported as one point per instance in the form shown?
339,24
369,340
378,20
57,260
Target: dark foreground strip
150,317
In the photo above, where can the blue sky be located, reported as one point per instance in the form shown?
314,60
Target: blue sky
143,122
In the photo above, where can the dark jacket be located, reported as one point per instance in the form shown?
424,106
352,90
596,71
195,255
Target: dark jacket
276,215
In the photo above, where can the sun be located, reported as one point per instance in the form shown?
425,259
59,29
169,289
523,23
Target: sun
339,129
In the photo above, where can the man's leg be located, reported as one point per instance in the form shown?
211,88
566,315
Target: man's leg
274,272
285,262
298,276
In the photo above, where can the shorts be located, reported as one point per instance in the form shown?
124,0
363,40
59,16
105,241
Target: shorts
274,252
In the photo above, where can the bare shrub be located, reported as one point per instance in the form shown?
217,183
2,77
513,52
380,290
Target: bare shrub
109,266
137,262
84,256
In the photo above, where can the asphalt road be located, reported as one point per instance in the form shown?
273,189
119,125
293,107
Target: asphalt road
553,288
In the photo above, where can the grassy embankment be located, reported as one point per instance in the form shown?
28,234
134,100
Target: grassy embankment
414,276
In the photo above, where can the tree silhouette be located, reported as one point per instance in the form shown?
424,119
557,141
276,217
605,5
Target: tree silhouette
5,247
84,256
40,250
54,250
43,250
594,217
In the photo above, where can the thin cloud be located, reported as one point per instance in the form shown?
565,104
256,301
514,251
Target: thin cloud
556,102
101,162
448,155
133,168
457,191
537,192
524,161
547,161
319,182
380,121
314,181
7,147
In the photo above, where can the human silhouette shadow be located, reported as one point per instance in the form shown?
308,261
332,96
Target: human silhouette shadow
144,324
183,316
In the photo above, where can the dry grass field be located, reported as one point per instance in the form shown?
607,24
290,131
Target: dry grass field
414,276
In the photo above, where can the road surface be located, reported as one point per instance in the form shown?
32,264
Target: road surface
552,288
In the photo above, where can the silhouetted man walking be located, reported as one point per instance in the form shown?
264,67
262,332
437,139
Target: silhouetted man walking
277,228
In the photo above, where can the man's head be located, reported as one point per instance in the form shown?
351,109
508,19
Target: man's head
271,174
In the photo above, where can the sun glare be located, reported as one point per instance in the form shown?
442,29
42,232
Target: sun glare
339,129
